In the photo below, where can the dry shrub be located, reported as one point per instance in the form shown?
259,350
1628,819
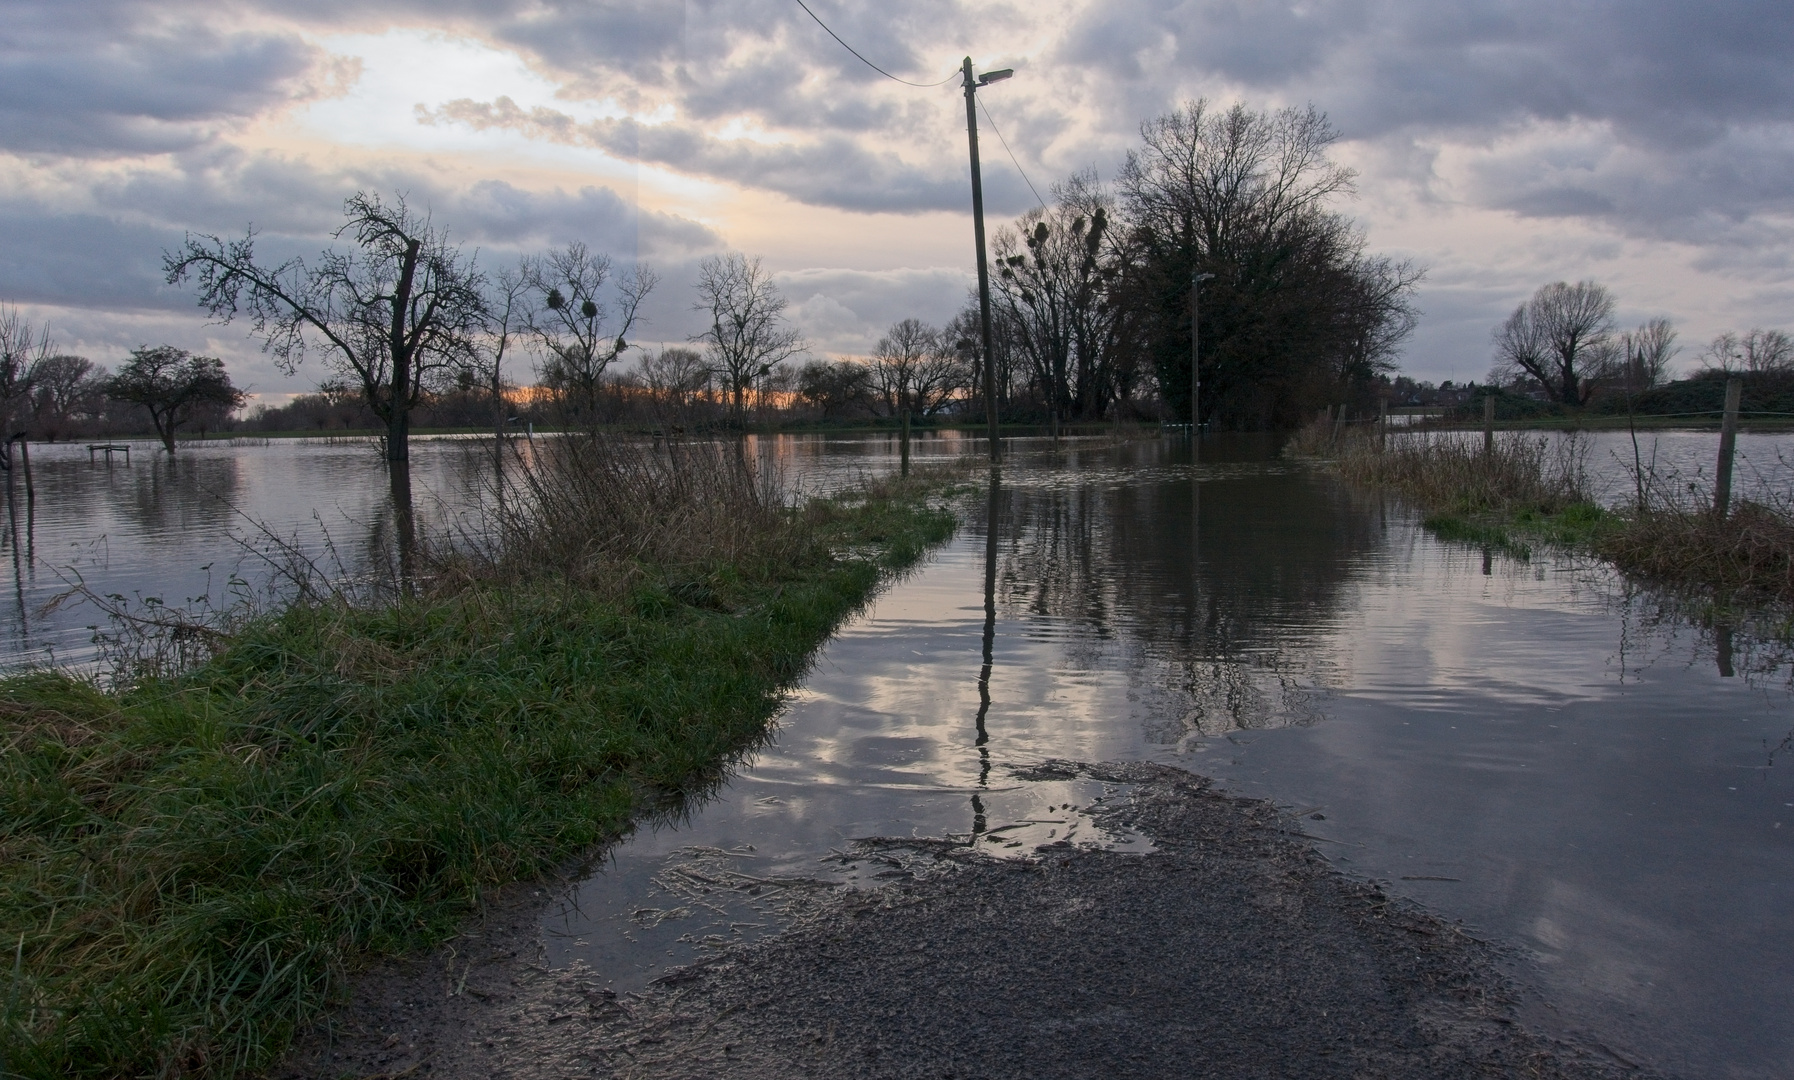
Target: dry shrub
1751,549
1314,439
589,508
1444,471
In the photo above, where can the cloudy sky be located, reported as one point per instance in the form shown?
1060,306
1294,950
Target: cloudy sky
1648,144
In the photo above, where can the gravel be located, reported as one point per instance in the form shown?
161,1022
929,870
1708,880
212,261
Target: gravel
1231,949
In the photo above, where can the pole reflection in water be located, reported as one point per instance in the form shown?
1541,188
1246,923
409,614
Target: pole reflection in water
993,509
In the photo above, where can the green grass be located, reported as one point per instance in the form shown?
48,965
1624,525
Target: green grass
1518,530
192,868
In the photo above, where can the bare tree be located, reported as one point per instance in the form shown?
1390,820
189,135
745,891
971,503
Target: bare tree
582,332
23,348
941,378
1562,337
1294,311
1057,273
748,335
63,387
508,312
674,378
897,360
174,386
1216,181
1646,352
394,315
1756,352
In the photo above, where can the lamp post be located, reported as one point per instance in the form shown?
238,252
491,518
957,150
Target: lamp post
1196,281
990,379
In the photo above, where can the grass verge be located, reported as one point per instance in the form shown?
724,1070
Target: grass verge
192,865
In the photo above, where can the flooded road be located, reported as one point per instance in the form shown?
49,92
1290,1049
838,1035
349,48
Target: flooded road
1520,746
1523,746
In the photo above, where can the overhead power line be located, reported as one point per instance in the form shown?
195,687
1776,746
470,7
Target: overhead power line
868,63
1011,153
925,86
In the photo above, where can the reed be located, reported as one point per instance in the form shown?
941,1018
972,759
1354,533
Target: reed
1442,471
193,864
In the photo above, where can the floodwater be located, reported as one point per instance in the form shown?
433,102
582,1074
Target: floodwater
1570,768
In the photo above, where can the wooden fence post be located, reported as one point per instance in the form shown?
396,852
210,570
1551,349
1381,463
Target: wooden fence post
903,444
1489,425
1728,442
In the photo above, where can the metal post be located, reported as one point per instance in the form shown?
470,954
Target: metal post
1728,442
1489,425
1195,356
990,358
1196,280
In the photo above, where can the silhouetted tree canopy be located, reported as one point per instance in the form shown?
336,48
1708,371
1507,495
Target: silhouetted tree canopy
174,386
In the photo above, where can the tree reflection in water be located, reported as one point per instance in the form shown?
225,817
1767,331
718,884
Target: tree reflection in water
1223,575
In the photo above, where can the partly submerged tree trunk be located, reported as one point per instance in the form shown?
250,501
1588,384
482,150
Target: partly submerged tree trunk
404,523
398,420
164,425
398,435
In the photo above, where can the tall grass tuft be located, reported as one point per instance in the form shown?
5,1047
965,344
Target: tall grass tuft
1447,472
192,864
584,505
1747,554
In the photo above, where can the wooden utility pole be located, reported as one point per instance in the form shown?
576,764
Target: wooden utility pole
1728,442
990,359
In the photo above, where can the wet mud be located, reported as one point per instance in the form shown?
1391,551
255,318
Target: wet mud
1232,948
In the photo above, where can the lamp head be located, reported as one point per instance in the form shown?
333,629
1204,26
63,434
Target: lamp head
995,76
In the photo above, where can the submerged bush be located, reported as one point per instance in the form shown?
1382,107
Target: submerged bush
1535,486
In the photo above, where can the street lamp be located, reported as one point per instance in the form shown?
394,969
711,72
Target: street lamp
1196,281
972,83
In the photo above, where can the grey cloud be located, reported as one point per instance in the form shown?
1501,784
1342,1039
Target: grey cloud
101,247
1733,192
1561,202
830,170
1692,101
119,80
1671,70
839,311
845,311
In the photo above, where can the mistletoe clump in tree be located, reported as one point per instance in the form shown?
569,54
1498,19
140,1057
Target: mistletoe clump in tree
581,334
